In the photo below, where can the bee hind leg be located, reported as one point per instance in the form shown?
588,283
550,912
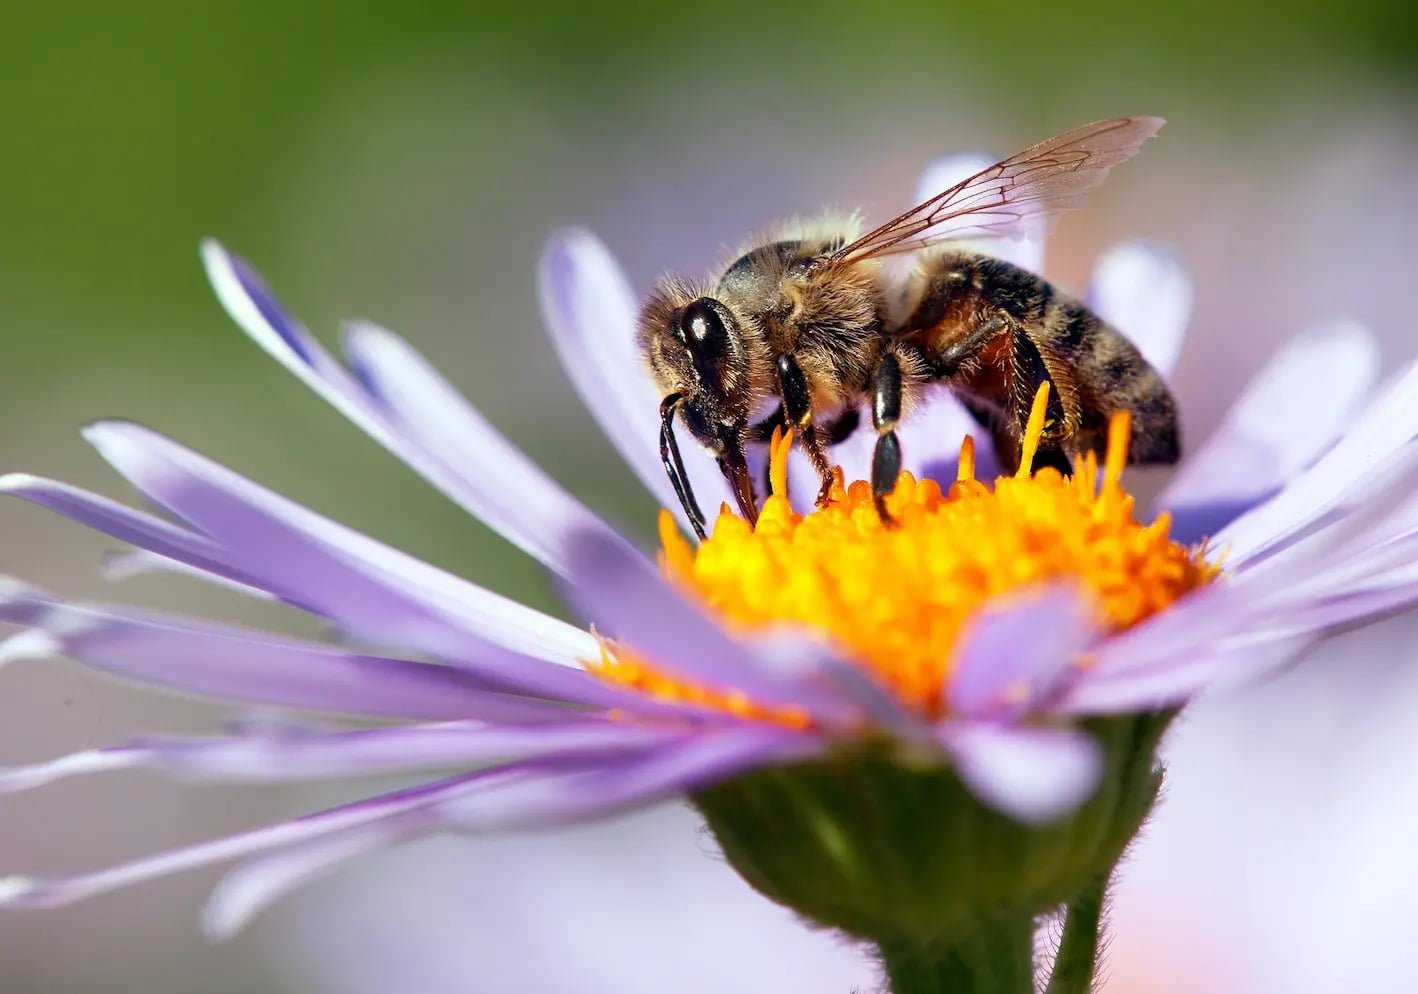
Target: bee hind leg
1031,373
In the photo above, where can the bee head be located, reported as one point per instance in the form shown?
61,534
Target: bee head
699,357
694,346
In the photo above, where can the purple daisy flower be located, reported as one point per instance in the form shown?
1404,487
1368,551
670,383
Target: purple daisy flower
545,722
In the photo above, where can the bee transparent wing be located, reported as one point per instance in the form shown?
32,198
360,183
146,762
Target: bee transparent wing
1037,183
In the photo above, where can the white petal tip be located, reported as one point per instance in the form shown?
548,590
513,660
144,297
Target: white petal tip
10,482
22,778
211,250
15,889
98,433
220,924
363,330
119,566
33,644
1144,290
575,251
12,590
1351,340
1034,775
571,235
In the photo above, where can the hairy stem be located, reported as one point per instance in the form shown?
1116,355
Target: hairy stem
996,960
1082,937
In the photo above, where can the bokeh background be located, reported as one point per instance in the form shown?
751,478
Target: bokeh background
404,162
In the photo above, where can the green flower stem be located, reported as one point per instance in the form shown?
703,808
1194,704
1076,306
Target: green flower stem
1077,959
998,959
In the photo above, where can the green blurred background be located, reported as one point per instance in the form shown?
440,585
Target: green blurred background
404,162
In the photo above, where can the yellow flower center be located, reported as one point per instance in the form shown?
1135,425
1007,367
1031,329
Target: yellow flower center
897,597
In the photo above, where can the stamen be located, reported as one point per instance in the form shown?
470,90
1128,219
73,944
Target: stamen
1119,436
778,450
677,555
897,600
1033,430
965,469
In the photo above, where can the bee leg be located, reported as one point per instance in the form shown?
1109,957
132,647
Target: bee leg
835,432
817,438
964,349
1030,374
814,448
797,408
885,413
674,465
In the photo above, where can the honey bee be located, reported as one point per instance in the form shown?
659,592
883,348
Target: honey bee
821,325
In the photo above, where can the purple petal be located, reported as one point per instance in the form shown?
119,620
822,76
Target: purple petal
549,798
631,602
309,755
240,664
1279,424
477,466
591,312
51,892
126,564
1349,572
404,405
1362,604
255,884
19,778
255,308
1190,627
123,523
1013,654
1385,426
931,441
1144,292
1366,536
788,650
695,761
1174,680
363,585
941,174
1036,775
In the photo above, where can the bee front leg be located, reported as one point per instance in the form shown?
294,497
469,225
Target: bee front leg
797,407
885,414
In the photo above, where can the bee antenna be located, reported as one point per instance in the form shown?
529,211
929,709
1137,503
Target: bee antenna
674,465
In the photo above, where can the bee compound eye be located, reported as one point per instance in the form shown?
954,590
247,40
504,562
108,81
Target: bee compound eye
703,329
